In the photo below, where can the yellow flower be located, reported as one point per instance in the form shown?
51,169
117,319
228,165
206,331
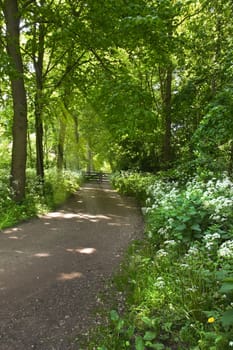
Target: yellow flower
211,320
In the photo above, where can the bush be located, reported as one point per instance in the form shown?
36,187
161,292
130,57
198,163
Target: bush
39,197
178,282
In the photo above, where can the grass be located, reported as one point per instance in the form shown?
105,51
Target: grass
177,283
39,199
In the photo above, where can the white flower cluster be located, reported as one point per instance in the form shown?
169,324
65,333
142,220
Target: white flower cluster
161,194
226,250
160,283
211,240
211,201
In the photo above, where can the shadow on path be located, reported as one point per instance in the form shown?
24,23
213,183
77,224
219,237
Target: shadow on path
53,267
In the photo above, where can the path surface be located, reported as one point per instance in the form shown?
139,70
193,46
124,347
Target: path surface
52,268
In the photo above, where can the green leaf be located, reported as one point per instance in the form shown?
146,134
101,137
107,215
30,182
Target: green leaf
226,287
120,324
148,321
181,227
196,227
157,346
140,345
130,331
114,315
149,336
185,218
227,318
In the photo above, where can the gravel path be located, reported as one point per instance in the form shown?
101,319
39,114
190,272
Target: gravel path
52,268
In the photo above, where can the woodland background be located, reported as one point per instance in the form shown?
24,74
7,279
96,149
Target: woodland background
142,89
143,85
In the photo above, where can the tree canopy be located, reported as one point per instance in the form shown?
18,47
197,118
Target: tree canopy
142,85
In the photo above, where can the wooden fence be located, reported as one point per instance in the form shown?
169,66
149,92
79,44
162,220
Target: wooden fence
94,176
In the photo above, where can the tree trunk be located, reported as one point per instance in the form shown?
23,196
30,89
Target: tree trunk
166,96
19,130
38,65
230,165
89,159
167,151
39,136
61,143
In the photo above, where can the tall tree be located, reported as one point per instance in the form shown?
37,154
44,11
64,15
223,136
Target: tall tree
19,148
38,62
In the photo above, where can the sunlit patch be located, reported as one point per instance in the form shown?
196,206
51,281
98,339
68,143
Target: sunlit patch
82,250
61,215
13,237
14,229
42,255
19,252
69,276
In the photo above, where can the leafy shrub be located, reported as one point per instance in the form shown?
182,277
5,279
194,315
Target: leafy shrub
39,198
178,282
132,183
189,213
58,185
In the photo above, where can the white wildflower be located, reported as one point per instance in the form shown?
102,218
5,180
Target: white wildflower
226,249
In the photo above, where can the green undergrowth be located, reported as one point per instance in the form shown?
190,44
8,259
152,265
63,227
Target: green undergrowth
39,199
178,281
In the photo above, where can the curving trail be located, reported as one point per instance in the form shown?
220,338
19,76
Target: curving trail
52,268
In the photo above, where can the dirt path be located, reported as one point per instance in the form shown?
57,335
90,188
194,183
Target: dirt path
52,268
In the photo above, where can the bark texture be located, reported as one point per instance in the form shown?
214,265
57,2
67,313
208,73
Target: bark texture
19,145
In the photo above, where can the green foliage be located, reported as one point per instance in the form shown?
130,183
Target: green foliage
177,282
213,137
59,185
39,198
132,183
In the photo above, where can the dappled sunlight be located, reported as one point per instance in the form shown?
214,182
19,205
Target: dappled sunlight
81,250
12,230
82,216
13,237
117,224
114,224
126,206
41,255
69,276
101,189
59,214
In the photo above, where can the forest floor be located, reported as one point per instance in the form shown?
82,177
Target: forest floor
53,268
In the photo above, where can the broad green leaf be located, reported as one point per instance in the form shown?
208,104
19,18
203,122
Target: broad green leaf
114,315
227,318
196,227
120,324
226,287
149,335
139,343
181,227
147,321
